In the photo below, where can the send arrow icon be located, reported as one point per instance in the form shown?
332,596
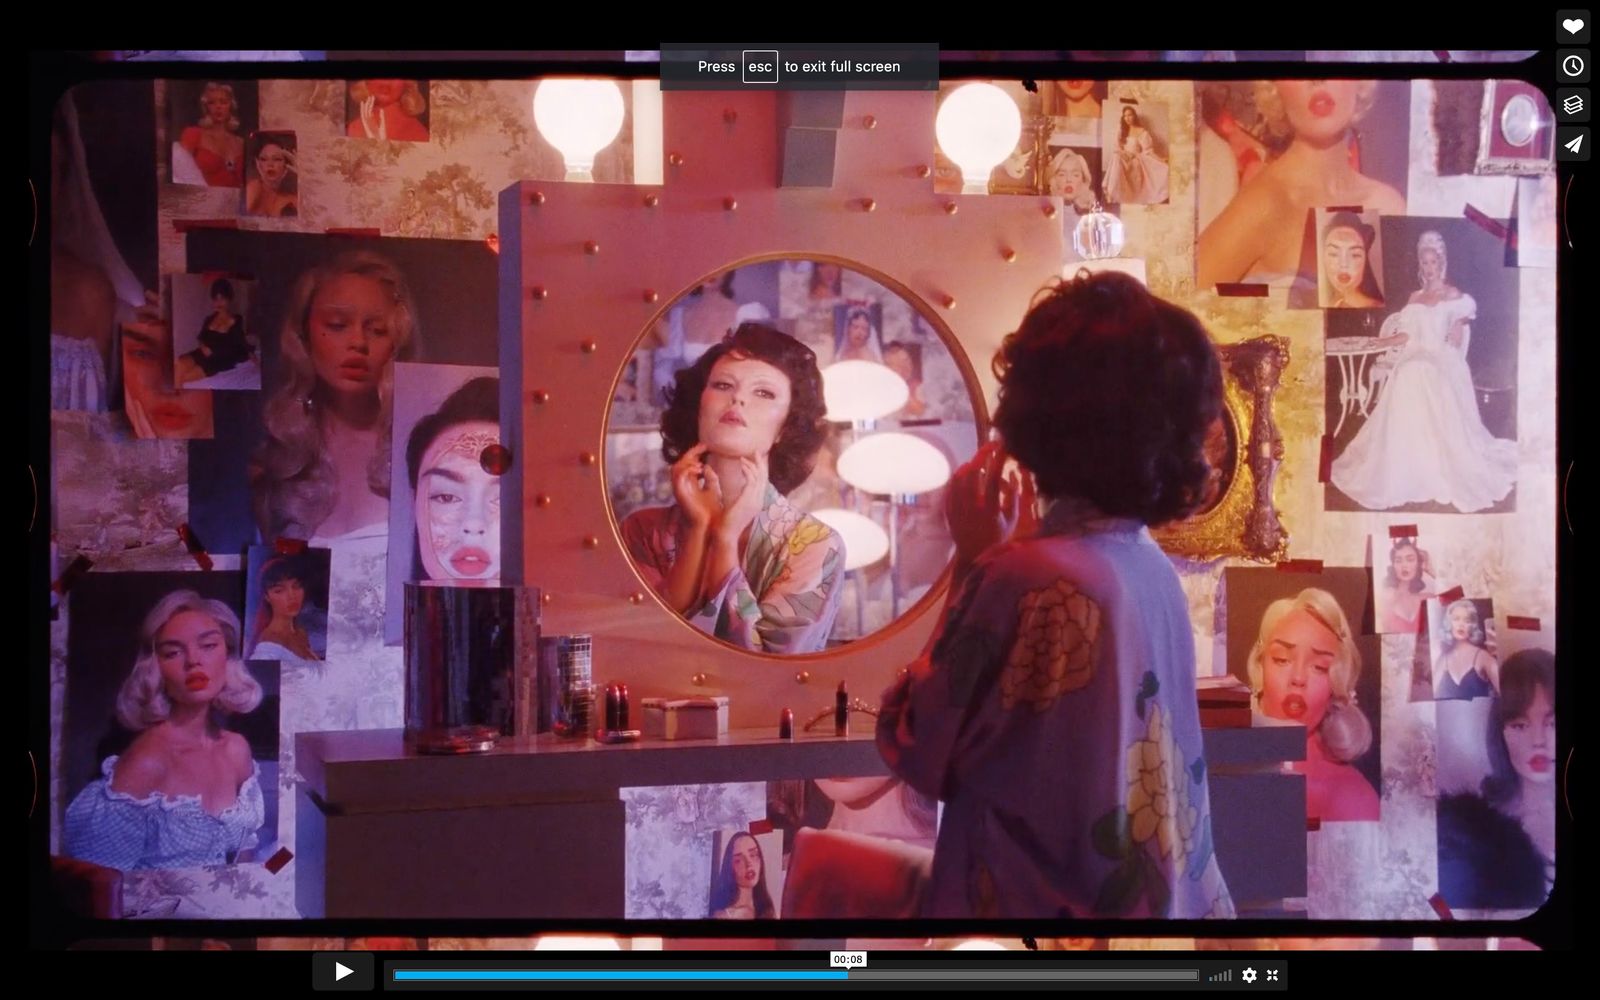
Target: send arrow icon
340,970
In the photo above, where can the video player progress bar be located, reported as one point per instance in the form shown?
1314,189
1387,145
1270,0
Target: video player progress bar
796,975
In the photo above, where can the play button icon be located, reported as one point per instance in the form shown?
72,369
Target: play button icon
354,971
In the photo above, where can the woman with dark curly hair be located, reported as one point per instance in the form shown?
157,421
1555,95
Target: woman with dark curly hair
742,427
1497,849
1054,711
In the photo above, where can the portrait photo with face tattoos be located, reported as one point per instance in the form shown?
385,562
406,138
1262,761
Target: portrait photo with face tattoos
1422,391
207,121
746,875
396,110
272,182
444,510
286,604
169,741
211,343
155,406
1349,260
1304,644
1270,151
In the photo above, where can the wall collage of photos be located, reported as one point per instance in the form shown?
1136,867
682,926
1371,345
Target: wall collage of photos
1417,413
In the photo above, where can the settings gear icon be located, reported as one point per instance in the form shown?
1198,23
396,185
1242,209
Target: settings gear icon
1249,975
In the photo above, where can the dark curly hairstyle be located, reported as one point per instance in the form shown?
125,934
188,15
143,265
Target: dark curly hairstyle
1524,673
476,400
1106,393
803,431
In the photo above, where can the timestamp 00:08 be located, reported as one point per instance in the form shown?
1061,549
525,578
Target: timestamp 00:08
847,959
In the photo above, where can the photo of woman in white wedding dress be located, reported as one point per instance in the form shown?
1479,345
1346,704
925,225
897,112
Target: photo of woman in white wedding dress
1425,441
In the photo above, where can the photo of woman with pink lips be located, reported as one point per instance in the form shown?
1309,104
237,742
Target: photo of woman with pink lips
1260,236
1406,585
456,499
1303,668
1463,667
1349,280
187,792
739,891
1497,849
155,408
273,189
287,592
396,110
323,470
214,142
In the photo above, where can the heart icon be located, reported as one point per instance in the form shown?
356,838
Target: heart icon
1573,25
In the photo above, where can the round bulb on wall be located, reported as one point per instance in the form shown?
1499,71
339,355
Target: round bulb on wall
977,127
894,464
579,118
576,942
864,541
862,390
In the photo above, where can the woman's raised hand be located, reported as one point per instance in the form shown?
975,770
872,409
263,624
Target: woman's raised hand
695,486
985,506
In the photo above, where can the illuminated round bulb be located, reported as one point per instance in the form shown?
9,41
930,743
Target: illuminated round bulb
545,597
894,464
543,500
869,122
976,945
951,208
977,126
864,541
495,459
580,118
1008,255
1049,211
635,598
591,248
539,292
591,542
868,205
949,301
729,115
803,677
651,295
541,396
676,159
589,347
536,198
924,171
730,203
587,458
652,200
862,390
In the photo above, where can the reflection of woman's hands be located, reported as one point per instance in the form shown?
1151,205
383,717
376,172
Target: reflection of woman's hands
372,120
985,508
696,488
742,510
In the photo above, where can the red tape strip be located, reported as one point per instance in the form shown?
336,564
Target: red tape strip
1485,223
194,545
1402,531
289,546
1352,209
1453,594
1313,824
1441,907
1522,623
1325,459
353,231
1300,566
184,225
276,863
1241,290
760,826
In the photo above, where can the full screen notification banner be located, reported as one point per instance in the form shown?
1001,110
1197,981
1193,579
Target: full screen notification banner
766,66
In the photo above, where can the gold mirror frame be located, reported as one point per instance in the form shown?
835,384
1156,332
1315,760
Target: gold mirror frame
1244,522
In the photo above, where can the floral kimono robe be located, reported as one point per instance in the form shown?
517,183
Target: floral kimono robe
784,597
1055,716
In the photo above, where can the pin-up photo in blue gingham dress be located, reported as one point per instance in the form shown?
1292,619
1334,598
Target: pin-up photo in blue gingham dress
122,831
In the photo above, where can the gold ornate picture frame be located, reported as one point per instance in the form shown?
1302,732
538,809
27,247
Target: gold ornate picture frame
1243,522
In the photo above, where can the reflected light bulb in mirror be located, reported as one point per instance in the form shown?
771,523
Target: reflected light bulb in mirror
862,390
580,118
977,126
864,541
894,464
